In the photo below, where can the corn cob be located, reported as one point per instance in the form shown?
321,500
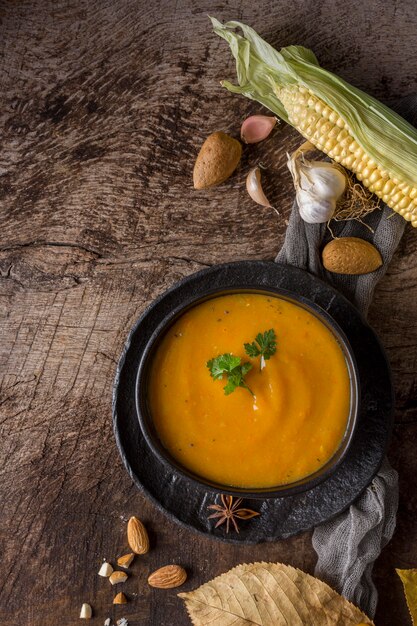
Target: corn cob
348,125
328,132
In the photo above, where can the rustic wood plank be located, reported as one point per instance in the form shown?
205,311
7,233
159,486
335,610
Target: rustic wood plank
103,108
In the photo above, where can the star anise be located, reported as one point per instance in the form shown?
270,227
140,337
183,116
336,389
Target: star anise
230,511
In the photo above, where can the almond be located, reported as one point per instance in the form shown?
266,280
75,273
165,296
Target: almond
218,158
351,255
118,577
86,611
120,598
105,570
125,560
137,536
168,577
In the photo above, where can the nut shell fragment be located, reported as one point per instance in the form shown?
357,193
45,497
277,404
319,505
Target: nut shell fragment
218,158
168,577
351,255
137,536
118,577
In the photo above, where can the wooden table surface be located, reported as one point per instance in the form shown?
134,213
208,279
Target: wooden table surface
104,104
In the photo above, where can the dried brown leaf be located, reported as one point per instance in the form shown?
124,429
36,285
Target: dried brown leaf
269,594
409,580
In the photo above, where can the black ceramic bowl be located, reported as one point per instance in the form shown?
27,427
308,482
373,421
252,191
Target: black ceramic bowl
145,417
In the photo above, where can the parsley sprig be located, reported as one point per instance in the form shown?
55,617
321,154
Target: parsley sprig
265,346
232,368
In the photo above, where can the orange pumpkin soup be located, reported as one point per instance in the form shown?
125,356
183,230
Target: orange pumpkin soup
297,417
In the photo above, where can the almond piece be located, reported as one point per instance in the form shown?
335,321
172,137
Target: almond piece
351,255
120,598
86,611
168,577
118,577
105,570
125,560
137,536
218,158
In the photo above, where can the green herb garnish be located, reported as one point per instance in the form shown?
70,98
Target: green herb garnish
265,346
231,367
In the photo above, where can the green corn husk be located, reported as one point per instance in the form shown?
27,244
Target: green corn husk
383,134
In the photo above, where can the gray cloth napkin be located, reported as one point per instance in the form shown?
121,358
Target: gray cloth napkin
348,545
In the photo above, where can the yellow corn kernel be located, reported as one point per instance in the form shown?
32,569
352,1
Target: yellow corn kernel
376,177
334,131
319,106
368,170
404,203
388,187
396,197
349,160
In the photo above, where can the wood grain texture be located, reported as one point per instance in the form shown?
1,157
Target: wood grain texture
104,104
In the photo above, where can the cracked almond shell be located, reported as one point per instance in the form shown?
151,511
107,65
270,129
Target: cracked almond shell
137,536
218,158
351,255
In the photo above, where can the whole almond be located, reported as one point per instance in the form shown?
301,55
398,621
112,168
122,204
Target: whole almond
351,255
137,536
218,158
168,577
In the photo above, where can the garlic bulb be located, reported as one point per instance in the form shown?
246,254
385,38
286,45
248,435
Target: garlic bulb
318,186
254,187
257,128
314,211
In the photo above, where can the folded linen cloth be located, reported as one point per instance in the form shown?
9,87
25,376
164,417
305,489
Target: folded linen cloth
348,545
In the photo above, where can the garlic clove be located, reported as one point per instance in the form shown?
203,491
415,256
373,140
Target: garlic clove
254,187
257,128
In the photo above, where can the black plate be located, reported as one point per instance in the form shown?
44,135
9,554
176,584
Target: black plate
187,502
